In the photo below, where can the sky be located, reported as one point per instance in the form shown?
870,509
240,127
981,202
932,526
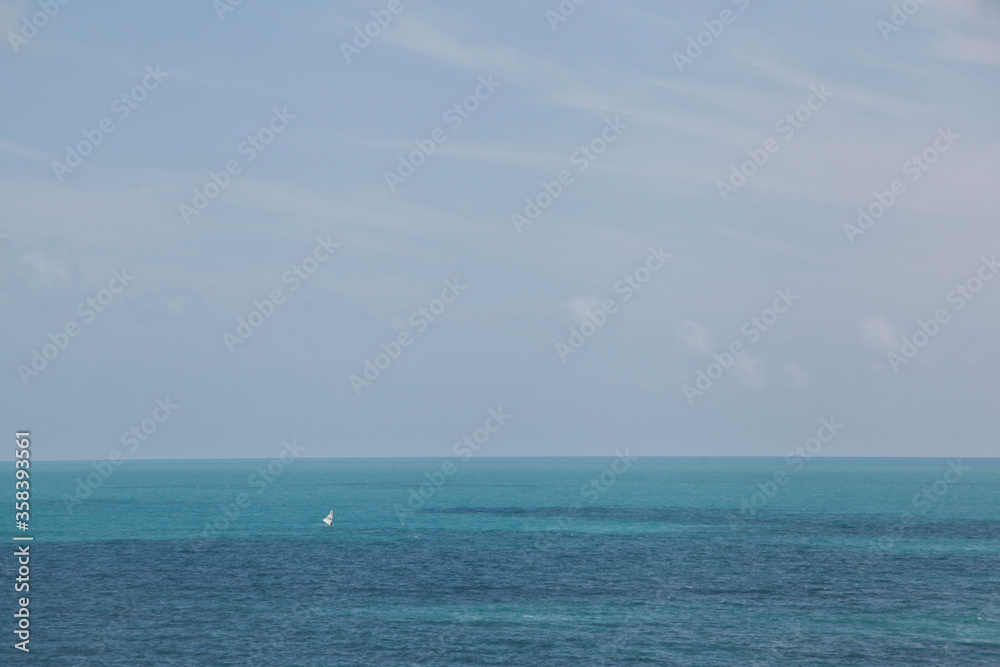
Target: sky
630,225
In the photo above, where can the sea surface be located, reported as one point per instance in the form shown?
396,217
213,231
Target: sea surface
541,561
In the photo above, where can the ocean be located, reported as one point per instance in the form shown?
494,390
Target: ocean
530,561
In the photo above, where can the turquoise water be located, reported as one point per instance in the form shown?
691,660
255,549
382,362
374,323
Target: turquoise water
517,562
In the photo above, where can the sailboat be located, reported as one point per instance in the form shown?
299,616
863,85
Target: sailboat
329,519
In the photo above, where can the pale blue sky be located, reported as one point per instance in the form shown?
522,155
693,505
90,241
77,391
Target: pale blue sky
495,345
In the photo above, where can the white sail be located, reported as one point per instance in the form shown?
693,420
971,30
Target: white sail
329,519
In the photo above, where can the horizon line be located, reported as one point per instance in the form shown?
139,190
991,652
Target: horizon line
527,456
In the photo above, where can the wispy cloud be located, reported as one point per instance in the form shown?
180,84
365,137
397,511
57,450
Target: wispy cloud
795,374
426,38
10,148
878,332
693,337
970,30
750,371
980,50
578,307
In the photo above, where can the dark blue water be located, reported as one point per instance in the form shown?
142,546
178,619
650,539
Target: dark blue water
517,562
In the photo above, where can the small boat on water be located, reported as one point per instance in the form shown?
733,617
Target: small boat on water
329,519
